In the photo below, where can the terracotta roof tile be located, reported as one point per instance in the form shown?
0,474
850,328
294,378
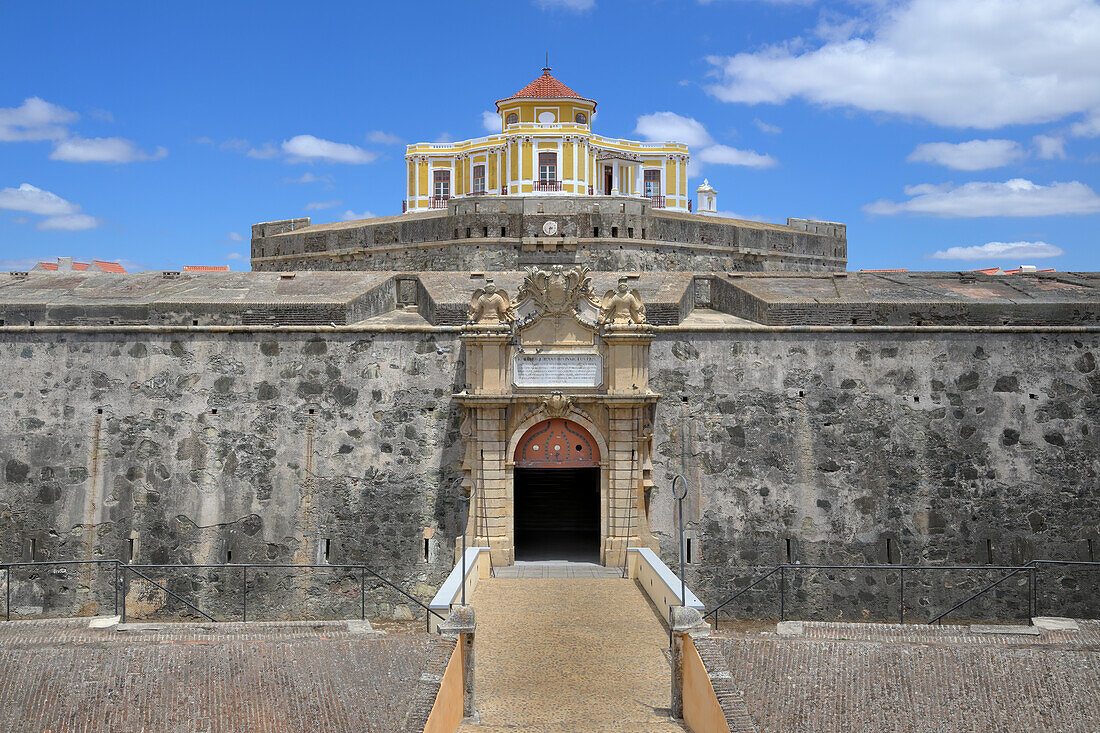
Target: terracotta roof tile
108,266
546,87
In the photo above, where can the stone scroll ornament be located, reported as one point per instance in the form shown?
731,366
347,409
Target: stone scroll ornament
622,305
490,305
557,291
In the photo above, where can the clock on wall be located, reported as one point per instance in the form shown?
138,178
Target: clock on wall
550,228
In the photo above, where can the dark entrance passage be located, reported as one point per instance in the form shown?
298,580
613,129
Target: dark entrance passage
557,514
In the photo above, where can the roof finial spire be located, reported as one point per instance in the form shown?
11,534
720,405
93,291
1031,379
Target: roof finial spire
546,69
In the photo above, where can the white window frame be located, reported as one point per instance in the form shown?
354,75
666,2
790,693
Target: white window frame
435,183
554,168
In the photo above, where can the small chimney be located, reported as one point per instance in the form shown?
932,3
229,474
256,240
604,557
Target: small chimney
64,264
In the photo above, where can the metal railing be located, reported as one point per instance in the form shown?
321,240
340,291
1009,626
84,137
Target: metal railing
657,202
1031,568
547,185
438,202
123,572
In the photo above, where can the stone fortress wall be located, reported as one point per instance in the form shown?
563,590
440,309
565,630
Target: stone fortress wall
507,233
957,442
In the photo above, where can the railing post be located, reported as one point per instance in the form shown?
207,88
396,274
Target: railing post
680,512
1035,592
782,593
7,593
464,517
901,604
123,619
362,594
1030,594
244,592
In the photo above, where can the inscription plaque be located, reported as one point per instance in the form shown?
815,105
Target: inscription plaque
557,370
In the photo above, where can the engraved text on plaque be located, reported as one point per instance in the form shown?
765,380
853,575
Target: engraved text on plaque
557,370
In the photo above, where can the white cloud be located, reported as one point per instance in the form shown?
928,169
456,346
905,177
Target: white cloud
102,150
1048,147
983,64
19,263
350,215
671,127
235,256
382,138
1016,197
61,215
1089,127
490,121
577,6
765,127
305,148
999,250
319,205
234,237
35,119
309,178
742,217
725,155
975,155
69,223
444,137
34,200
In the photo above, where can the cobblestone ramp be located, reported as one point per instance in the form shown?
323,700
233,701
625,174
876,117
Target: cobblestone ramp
60,676
569,654
843,678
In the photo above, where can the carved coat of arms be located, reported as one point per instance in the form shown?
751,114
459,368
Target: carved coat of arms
558,291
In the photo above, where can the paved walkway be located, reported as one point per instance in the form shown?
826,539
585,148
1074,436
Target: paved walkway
558,569
569,654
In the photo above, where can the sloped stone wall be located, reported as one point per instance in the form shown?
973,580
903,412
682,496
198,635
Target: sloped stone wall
951,448
201,448
955,447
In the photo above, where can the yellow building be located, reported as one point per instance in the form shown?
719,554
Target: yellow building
546,147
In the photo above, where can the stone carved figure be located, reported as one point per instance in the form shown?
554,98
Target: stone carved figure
622,305
490,304
558,291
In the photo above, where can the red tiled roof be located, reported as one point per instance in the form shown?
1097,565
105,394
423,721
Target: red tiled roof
546,87
82,266
206,268
78,266
989,270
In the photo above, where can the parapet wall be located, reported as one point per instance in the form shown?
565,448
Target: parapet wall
509,233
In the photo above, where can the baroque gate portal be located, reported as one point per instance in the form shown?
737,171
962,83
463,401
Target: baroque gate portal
557,425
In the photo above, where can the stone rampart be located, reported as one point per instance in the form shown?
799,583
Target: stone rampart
508,233
194,445
864,448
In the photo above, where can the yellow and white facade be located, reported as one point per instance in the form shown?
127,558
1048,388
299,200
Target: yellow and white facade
546,147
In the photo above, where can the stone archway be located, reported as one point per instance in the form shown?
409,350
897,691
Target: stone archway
557,494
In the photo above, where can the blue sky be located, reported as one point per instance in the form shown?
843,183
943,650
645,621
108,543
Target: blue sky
157,133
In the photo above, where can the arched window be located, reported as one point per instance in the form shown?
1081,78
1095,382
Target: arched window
511,119
581,118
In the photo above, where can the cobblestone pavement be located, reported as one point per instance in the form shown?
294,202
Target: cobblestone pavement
572,654
59,675
886,677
